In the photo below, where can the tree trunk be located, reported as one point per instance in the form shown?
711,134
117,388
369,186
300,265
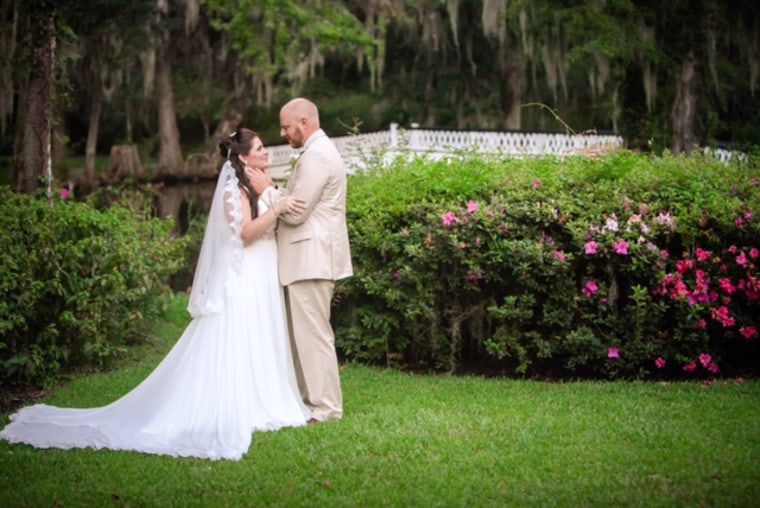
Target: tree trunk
685,106
34,165
90,151
170,160
124,163
208,166
512,92
60,135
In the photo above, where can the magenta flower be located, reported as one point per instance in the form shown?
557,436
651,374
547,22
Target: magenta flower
727,286
449,218
590,289
754,253
472,206
395,274
705,359
690,367
591,248
536,183
560,256
474,277
748,332
65,193
613,352
621,248
741,259
713,368
684,265
702,255
739,222
722,314
659,363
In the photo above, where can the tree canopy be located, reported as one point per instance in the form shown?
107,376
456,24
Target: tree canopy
171,76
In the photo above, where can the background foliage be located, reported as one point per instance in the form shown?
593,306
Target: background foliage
626,266
77,280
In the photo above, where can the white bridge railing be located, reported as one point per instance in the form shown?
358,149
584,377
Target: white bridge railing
437,144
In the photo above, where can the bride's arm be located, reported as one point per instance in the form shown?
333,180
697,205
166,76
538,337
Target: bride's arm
251,229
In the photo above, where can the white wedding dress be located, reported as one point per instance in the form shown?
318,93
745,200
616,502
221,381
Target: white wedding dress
228,375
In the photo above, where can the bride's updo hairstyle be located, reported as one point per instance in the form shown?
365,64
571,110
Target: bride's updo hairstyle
241,142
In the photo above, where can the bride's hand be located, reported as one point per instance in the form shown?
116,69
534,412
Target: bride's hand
289,204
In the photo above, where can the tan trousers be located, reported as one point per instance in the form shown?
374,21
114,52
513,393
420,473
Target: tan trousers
316,363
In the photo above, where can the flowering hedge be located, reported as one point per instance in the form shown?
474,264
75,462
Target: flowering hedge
622,267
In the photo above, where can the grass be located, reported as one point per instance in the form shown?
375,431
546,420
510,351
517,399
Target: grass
411,440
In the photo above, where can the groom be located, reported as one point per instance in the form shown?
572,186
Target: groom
313,252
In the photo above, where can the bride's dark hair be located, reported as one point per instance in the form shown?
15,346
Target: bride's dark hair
241,142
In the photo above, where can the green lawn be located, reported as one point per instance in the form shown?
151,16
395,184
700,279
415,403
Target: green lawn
410,440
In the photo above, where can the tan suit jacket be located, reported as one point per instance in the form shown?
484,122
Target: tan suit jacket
314,244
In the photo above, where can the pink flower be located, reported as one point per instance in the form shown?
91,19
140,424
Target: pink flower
536,183
713,368
754,253
664,219
591,248
684,265
732,249
702,255
449,218
613,352
612,223
701,323
705,359
741,259
739,221
748,332
474,277
560,256
722,314
590,289
472,206
659,363
690,367
65,193
621,248
727,286
395,274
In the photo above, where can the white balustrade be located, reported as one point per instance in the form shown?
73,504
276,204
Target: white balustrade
357,150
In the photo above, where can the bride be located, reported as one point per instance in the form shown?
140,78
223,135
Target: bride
231,372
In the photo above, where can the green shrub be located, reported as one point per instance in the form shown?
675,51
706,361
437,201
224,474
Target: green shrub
76,282
555,267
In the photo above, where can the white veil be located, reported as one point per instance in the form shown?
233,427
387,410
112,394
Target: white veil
222,249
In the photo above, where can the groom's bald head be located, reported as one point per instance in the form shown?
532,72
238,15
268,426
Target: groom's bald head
299,119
